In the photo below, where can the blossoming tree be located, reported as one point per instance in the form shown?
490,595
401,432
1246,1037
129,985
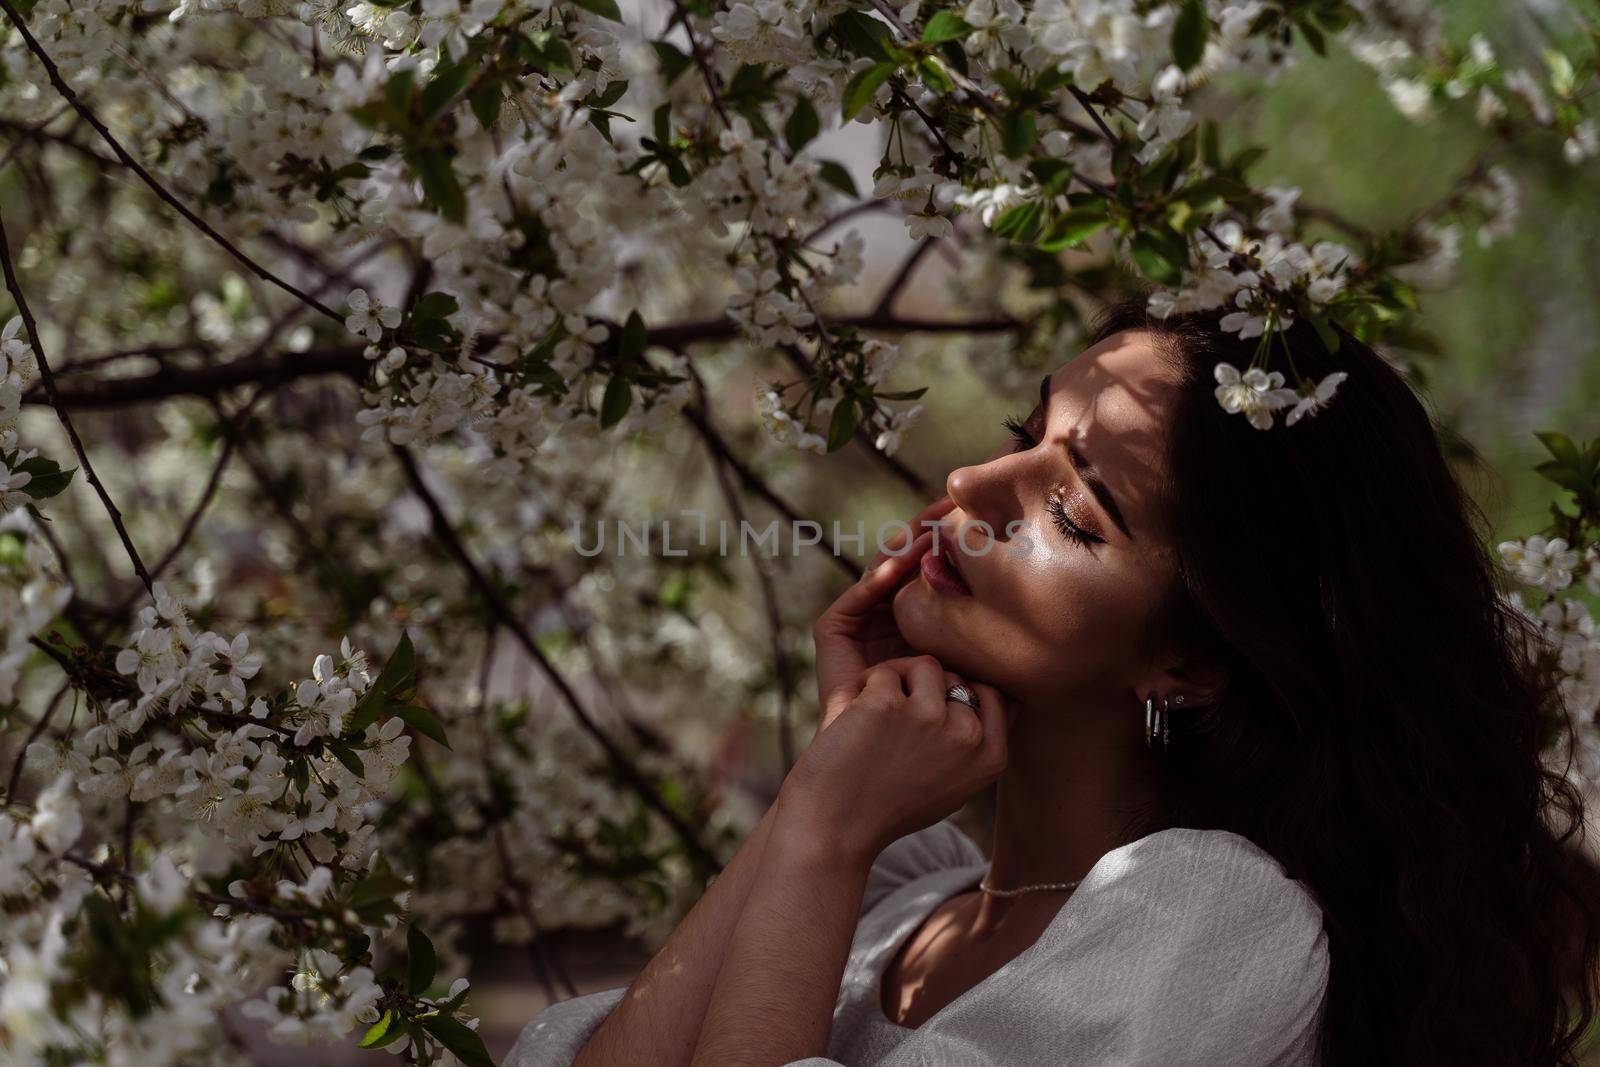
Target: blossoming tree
402,279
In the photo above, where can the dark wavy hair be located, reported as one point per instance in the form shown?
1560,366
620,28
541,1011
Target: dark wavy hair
1382,727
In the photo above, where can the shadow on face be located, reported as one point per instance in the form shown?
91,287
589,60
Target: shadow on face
1060,538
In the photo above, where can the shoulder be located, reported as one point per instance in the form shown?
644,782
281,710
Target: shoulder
1211,894
939,847
1200,863
1204,925
1186,946
1212,879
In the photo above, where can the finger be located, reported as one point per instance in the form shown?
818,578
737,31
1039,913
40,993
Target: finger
936,510
992,751
925,680
877,581
883,682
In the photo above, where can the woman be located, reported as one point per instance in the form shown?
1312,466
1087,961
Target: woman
1340,846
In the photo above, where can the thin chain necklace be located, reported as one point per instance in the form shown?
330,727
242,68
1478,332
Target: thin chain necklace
1039,888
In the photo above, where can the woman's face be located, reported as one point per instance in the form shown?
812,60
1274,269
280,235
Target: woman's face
1075,558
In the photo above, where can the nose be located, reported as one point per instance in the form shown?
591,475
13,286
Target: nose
985,492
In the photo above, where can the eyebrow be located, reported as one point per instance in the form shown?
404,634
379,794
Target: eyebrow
1086,470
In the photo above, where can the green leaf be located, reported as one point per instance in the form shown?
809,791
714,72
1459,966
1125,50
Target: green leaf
945,26
1210,154
673,62
1073,227
835,175
434,306
803,125
399,672
397,90
614,404
385,1031
863,35
443,87
934,76
458,1038
421,962
347,756
634,335
1325,333
1562,447
1189,32
377,889
606,9
45,477
1021,222
861,88
1313,36
908,394
843,424
1562,475
424,721
440,186
1562,78
1018,132
486,105
1153,260
613,92
1210,195
395,683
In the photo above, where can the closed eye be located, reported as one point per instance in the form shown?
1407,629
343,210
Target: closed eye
1058,512
1069,529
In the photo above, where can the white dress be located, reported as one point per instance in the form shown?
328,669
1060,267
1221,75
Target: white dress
1183,947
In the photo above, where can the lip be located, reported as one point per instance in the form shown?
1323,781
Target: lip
940,571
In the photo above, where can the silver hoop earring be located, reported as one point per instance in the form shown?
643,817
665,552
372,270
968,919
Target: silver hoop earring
1157,722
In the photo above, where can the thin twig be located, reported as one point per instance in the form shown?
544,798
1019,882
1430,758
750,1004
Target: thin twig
885,304
61,412
769,596
33,735
502,612
706,74
753,481
1088,105
132,164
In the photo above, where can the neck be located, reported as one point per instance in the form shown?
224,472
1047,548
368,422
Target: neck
1073,780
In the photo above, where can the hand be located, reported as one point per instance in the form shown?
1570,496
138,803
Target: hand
896,758
858,629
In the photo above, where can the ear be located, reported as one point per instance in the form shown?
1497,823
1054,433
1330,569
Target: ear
1198,679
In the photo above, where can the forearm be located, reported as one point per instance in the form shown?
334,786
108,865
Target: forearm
774,997
658,1020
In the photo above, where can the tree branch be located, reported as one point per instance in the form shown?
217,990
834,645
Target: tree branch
168,381
49,381
503,614
132,164
769,596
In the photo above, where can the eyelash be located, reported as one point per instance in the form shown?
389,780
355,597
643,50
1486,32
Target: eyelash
1058,512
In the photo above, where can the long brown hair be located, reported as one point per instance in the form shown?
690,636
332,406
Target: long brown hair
1382,728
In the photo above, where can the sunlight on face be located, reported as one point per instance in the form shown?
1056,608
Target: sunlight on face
1079,555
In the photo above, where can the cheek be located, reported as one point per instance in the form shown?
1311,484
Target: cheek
1046,620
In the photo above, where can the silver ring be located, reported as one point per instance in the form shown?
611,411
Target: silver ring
963,694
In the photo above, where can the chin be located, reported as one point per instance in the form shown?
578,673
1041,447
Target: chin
930,627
